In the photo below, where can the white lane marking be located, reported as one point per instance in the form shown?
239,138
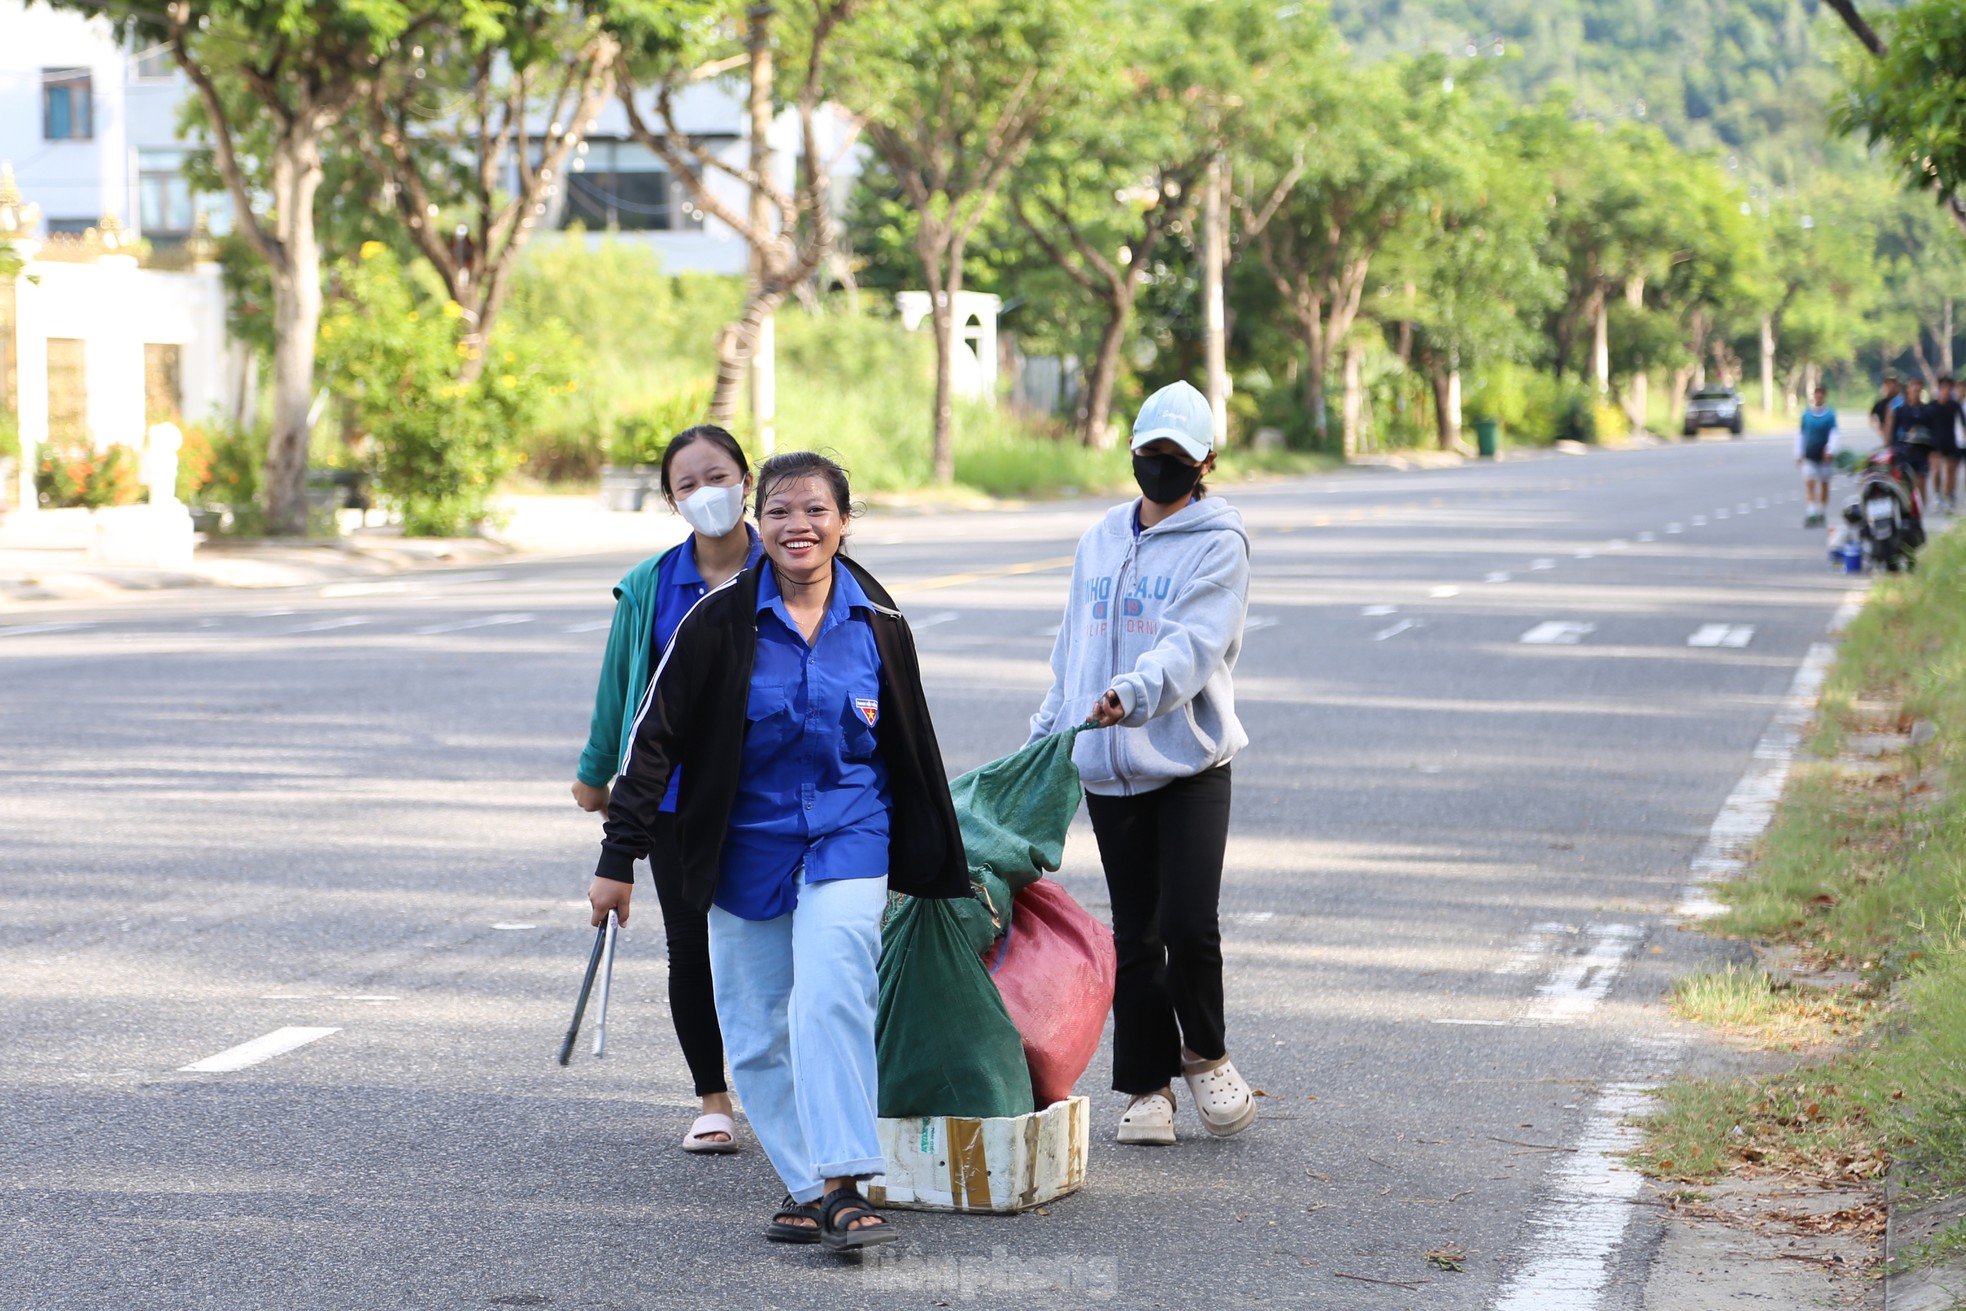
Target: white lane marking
1543,563
365,996
1442,593
591,626
1581,1222
1675,528
1760,502
1698,521
1404,625
1375,611
464,578
1721,513
1535,947
934,620
1648,537
1256,623
334,590
1751,805
270,614
329,625
1585,554
1742,508
514,928
262,1048
465,625
1558,632
1734,635
1497,577
286,996
1617,544
1582,981
30,630
1487,1024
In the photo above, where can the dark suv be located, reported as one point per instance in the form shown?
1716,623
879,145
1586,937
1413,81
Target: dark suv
1713,407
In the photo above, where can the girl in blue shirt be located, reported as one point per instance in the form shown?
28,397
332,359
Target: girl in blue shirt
792,702
705,478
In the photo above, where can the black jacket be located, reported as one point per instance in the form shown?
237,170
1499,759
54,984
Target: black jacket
693,718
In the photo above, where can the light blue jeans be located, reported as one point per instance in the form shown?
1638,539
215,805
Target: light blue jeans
796,997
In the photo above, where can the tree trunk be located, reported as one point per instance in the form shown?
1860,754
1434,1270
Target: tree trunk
1768,363
1945,340
1105,371
1354,403
764,383
1215,258
1600,343
1317,363
296,170
737,344
941,253
1447,407
1636,397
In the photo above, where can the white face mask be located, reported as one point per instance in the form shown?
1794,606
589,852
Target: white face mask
713,511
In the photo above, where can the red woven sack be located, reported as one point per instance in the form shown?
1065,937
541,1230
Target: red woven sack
1055,970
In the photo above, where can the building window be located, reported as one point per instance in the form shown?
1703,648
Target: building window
154,64
625,188
67,105
164,210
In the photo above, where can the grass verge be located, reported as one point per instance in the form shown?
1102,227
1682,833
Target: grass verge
1863,869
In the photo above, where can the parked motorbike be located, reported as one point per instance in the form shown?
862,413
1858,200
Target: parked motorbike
1884,516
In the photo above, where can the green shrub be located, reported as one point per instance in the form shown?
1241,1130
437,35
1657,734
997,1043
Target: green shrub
232,476
9,436
113,479
640,438
60,473
442,442
1558,409
69,476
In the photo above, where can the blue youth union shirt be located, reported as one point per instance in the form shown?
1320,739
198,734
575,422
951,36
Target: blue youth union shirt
812,788
678,586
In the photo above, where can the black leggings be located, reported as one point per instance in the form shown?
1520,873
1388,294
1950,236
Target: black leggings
1163,856
692,1005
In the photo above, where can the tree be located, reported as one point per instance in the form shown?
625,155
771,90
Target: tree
298,67
1336,165
951,94
789,227
451,136
1908,96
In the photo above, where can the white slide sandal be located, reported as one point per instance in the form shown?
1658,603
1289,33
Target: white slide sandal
698,1140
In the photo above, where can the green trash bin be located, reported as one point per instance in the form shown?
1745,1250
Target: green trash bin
1485,433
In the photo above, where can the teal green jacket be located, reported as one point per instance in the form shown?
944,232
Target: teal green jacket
625,672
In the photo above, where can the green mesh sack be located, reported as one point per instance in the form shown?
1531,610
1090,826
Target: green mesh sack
1014,812
943,1042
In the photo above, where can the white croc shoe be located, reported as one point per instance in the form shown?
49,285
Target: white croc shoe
1149,1121
1222,1097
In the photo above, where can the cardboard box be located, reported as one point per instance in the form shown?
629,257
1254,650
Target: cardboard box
1001,1166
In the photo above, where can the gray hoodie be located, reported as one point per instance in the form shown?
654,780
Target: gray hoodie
1158,619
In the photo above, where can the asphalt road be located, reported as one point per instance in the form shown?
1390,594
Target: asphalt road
1448,916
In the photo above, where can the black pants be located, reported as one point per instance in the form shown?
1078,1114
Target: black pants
1163,856
692,1005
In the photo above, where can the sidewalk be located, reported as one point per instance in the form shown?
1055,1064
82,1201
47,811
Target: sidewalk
45,555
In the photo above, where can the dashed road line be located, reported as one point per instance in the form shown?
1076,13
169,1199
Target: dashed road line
1257,623
1729,635
1403,626
1543,563
1675,528
465,625
591,626
1499,576
1558,632
262,1048
1442,593
329,625
935,620
33,630
1374,611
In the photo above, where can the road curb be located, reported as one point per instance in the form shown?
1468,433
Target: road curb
1929,1288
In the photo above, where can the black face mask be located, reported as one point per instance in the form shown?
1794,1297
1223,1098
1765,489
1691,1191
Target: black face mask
1164,479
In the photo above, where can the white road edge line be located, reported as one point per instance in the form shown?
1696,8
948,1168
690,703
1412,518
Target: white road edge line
1582,1219
465,625
262,1048
31,630
1579,983
1402,626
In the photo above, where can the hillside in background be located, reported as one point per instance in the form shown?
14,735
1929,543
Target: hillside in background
1749,78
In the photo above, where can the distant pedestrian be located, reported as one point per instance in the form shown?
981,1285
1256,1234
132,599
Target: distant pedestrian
1888,399
1947,447
1153,626
705,478
1815,449
791,701
1911,428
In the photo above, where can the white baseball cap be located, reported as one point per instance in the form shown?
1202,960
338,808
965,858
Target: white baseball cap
1179,413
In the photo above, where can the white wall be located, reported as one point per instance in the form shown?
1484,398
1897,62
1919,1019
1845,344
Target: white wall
70,180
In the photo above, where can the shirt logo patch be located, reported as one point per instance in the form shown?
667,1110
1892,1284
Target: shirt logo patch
1098,609
1133,606
869,708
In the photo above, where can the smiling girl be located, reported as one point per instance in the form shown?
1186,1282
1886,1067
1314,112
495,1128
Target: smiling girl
791,701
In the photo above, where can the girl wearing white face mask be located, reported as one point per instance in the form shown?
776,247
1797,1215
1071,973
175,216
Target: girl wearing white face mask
706,479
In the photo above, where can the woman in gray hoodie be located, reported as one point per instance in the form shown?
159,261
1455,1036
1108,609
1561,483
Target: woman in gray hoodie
1151,633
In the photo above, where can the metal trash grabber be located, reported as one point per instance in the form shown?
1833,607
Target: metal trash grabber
607,982
586,986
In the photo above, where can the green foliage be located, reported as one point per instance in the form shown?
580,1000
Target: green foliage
441,417
1910,104
9,436
641,438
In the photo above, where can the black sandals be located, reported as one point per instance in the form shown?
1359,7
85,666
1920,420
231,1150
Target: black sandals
782,1228
838,1212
